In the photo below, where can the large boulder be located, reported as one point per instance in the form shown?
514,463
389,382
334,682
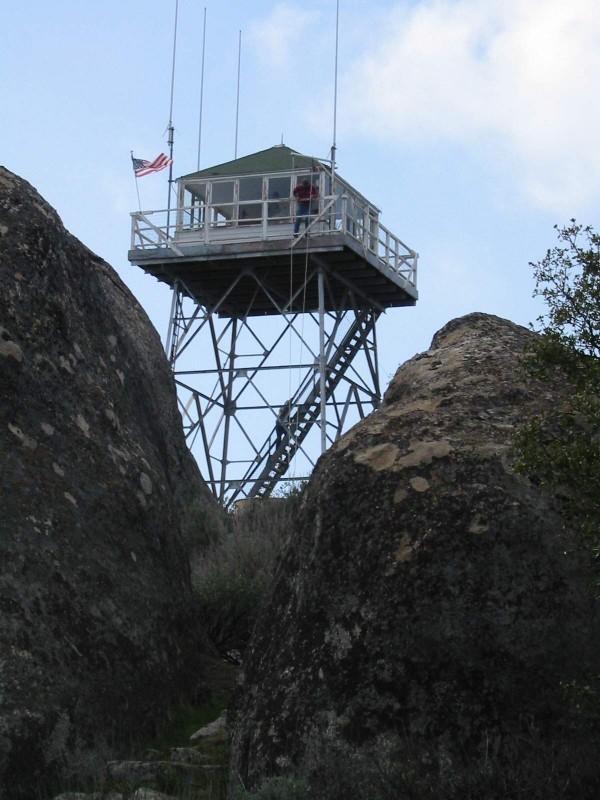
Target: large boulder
428,594
97,634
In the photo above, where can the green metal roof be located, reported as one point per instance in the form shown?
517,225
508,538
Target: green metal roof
276,159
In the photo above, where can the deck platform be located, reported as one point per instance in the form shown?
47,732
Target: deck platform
252,270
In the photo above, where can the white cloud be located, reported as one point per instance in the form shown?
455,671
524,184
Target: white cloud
278,37
515,78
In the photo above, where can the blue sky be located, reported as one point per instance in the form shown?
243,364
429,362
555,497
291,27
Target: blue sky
472,124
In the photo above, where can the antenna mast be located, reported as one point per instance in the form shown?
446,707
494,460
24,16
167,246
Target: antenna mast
237,108
201,89
170,128
335,91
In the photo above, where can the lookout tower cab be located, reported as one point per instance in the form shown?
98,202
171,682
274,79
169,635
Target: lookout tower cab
276,292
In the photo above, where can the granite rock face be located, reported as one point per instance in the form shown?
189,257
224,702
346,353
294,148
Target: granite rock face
427,591
97,634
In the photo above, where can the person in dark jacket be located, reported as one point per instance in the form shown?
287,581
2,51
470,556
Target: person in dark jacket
282,423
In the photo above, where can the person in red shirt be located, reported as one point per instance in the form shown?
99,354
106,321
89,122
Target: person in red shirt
304,194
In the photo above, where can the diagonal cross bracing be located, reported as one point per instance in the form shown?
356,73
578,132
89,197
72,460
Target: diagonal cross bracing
235,375
305,409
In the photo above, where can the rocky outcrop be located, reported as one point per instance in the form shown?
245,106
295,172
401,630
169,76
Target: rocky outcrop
97,634
428,592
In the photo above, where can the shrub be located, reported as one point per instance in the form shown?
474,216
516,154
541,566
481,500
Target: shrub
203,523
232,575
561,449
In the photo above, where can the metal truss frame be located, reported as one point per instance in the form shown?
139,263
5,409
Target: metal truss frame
262,396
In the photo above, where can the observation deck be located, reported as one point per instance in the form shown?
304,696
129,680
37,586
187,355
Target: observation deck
232,231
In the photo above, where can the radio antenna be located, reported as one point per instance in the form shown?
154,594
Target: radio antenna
201,89
170,128
237,108
335,93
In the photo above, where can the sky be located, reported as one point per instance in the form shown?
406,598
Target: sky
472,124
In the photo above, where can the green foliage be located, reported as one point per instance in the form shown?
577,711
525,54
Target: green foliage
203,522
232,576
277,789
568,279
562,448
184,722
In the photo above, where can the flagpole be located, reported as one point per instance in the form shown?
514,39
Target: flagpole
170,128
137,188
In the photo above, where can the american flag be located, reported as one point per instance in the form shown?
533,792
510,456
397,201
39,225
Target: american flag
142,167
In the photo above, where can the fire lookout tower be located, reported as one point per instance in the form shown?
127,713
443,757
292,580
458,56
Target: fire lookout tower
271,335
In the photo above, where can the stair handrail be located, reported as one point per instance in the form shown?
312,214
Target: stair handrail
275,459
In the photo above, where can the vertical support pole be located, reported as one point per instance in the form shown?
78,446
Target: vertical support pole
322,376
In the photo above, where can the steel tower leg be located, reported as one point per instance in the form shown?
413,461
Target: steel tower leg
322,376
261,395
170,343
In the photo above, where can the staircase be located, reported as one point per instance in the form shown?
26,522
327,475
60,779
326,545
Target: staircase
276,453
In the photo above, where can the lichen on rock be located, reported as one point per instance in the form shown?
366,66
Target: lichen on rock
88,636
469,602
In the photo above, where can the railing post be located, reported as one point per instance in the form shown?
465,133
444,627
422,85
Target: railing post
207,223
372,244
265,218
